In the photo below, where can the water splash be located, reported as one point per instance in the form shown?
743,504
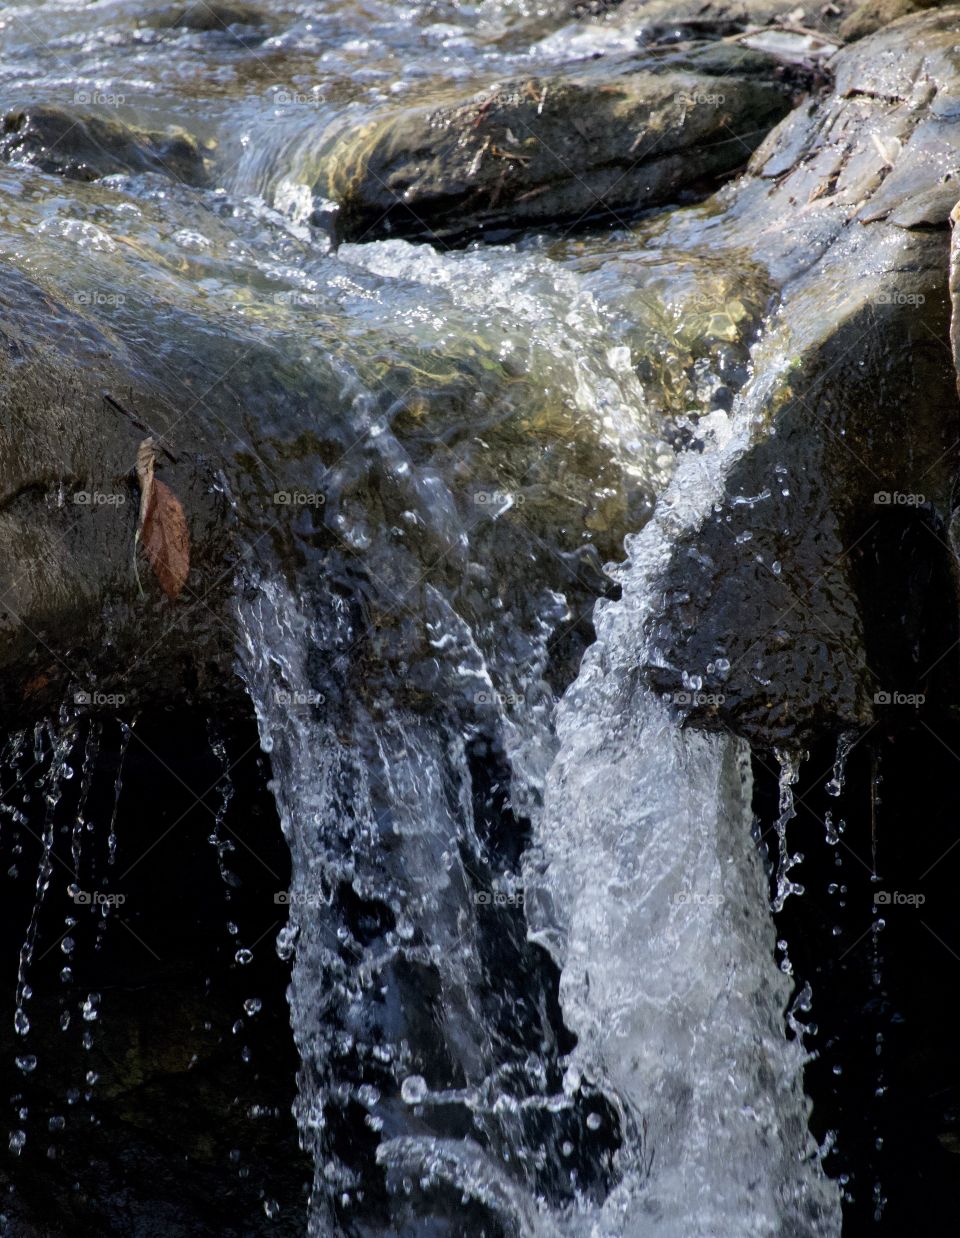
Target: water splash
789,775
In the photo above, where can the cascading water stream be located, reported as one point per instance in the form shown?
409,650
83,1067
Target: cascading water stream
682,1097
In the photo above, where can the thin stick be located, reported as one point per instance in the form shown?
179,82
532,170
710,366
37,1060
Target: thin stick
141,425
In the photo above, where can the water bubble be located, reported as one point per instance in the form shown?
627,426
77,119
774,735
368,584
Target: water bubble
21,1023
286,939
271,1207
17,1140
89,1008
57,1122
244,957
593,1121
414,1089
252,1005
368,1095
27,1063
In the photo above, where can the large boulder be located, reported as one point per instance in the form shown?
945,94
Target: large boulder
803,599
597,141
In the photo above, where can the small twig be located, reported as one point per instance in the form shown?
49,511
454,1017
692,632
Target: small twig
141,425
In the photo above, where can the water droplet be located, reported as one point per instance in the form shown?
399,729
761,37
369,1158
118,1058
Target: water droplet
244,957
271,1207
414,1089
20,1022
57,1122
593,1121
17,1140
252,1005
26,1063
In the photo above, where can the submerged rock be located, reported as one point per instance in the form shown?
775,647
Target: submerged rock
215,18
595,142
87,147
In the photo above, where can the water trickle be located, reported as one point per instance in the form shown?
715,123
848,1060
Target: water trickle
789,774
51,747
845,745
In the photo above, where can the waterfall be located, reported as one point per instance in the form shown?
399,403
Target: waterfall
680,1108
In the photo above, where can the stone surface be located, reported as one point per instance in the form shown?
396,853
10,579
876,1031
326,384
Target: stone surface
598,142
809,576
86,147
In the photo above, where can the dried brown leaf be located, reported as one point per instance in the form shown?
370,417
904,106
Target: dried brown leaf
163,526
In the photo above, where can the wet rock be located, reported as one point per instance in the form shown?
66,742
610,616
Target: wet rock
596,143
875,14
236,20
87,147
821,586
693,18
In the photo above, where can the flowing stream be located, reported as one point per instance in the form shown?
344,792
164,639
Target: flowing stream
534,981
